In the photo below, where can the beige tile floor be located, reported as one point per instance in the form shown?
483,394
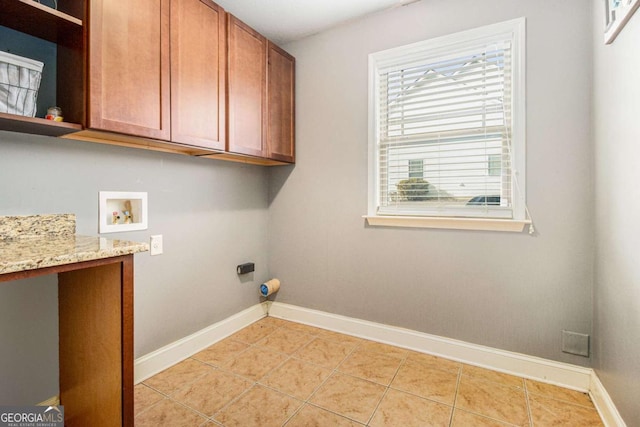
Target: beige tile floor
279,373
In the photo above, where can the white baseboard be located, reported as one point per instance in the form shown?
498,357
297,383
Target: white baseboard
605,406
167,356
562,374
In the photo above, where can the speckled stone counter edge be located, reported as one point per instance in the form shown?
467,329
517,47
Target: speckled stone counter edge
38,241
28,226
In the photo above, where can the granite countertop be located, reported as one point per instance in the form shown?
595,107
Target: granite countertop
38,241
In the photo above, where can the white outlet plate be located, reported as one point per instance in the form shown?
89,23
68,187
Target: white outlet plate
156,244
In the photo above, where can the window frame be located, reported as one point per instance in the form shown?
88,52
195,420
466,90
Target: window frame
514,29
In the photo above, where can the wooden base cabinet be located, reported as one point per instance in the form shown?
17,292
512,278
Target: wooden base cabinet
95,305
96,344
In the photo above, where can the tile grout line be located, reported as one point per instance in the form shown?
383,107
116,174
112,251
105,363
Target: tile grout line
210,417
232,401
333,371
455,396
254,382
207,417
296,412
315,405
504,385
184,405
386,390
307,401
169,395
421,396
484,380
526,396
560,400
292,357
164,397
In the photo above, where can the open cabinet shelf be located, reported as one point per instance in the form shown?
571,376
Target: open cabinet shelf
40,21
35,125
36,26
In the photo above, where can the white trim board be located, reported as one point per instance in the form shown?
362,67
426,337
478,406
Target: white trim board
150,364
562,374
605,406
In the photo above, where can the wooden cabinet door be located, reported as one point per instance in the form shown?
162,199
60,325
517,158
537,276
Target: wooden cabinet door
129,67
198,67
280,105
246,91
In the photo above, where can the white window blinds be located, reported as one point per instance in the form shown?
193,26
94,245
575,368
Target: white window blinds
447,110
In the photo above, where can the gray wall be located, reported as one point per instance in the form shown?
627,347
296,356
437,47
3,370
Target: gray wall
504,290
29,337
212,214
617,271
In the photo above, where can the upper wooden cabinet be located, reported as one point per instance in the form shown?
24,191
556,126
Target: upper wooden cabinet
261,91
198,67
129,67
280,105
170,75
157,70
246,89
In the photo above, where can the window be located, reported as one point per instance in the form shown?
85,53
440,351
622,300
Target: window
416,168
494,166
447,135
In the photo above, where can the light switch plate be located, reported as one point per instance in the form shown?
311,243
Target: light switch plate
156,244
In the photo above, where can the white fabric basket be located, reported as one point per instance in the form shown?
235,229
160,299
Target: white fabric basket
19,84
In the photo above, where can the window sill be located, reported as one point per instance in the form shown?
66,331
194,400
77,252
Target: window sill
486,224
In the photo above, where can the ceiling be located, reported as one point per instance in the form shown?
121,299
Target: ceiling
283,21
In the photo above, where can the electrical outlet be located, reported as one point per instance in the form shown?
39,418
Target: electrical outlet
156,244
